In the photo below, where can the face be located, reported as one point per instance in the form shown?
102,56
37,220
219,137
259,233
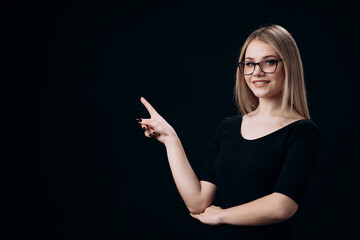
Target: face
264,85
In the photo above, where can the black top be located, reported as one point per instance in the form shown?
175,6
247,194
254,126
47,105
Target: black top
245,170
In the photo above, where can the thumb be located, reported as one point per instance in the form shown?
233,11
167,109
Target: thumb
196,216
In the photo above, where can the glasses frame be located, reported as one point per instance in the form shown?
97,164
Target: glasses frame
258,63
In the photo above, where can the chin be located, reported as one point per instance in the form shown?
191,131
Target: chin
261,94
266,94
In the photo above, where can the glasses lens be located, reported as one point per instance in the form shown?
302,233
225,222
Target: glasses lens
269,66
247,67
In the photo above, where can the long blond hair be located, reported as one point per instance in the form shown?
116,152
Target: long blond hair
294,92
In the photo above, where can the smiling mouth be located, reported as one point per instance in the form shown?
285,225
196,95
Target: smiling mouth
260,83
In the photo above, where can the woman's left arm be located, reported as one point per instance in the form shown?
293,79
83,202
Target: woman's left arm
270,209
304,145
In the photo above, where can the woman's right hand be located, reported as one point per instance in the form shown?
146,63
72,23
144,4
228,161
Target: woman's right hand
155,126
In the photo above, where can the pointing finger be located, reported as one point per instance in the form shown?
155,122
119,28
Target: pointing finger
148,106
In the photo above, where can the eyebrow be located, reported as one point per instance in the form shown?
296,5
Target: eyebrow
264,57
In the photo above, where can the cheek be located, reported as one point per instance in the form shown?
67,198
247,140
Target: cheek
280,78
248,79
280,75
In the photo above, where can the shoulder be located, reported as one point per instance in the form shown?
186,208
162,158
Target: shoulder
231,121
306,124
227,123
305,129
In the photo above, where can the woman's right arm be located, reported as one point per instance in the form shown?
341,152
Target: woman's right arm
197,195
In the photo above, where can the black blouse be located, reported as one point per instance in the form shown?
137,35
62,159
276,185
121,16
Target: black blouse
244,170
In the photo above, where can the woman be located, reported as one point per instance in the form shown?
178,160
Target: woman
259,162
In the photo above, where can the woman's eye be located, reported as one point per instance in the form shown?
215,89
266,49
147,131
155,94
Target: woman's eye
249,64
270,62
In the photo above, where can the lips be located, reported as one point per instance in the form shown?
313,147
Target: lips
260,83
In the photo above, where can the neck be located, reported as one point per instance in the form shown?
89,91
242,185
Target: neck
269,107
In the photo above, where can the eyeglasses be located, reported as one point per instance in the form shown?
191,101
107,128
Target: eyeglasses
266,66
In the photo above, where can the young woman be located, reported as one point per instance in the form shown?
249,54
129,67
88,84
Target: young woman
259,162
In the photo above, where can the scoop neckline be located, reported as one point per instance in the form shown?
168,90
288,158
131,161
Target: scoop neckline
269,134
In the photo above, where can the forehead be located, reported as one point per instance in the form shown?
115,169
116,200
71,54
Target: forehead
258,49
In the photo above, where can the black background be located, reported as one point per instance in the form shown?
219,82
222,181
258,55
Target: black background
77,163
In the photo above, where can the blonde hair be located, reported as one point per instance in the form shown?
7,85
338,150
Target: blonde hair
294,92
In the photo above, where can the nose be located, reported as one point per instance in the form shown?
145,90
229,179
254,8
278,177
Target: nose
257,71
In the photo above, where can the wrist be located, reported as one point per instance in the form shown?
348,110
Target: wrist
222,216
171,139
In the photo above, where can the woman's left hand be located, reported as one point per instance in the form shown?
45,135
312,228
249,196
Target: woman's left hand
210,216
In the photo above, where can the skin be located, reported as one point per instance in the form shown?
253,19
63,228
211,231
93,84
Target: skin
199,195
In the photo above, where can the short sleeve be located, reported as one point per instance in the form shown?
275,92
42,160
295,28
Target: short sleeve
302,150
207,171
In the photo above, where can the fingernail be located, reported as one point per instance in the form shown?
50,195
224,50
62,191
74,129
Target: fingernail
139,119
144,128
154,133
150,135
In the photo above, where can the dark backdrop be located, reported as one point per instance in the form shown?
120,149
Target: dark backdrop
73,73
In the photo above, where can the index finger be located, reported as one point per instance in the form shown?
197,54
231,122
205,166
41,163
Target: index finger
148,106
